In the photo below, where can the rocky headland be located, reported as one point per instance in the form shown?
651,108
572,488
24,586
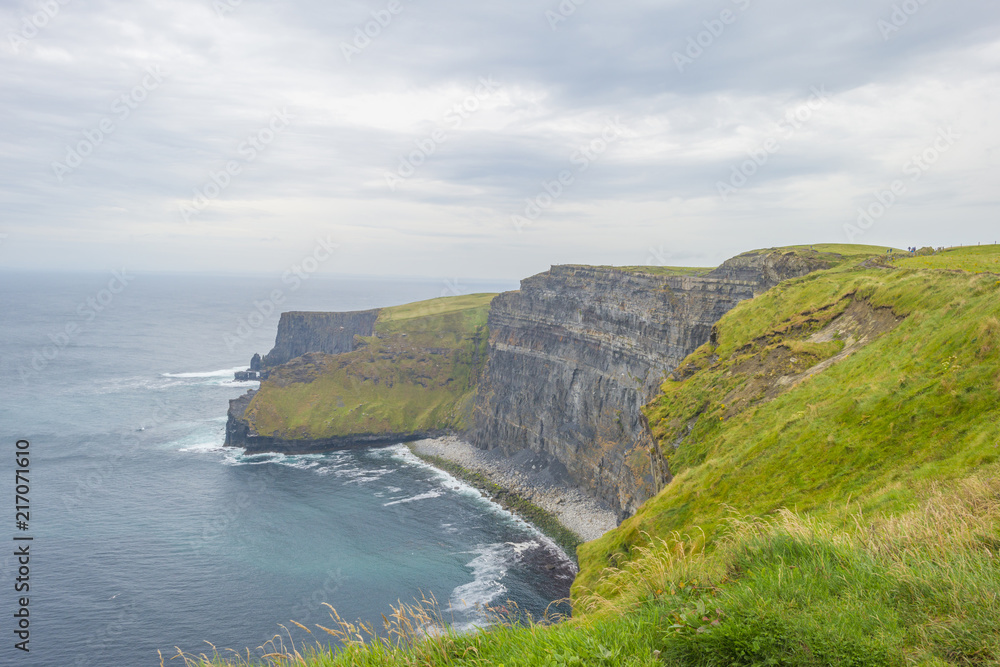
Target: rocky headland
553,375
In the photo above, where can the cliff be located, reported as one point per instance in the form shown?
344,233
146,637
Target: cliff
576,353
330,333
366,378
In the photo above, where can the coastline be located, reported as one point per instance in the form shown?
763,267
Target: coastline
519,488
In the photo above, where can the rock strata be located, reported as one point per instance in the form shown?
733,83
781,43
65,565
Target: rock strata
577,351
331,333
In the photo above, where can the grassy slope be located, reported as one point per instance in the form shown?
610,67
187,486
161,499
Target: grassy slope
920,403
667,270
417,373
891,557
975,259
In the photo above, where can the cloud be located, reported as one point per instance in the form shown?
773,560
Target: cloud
382,88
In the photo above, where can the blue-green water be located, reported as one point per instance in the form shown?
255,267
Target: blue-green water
148,534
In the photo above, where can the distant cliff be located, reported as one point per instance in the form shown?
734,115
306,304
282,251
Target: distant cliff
365,378
569,362
330,333
576,353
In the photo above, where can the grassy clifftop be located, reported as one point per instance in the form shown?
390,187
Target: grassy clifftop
845,390
836,449
417,373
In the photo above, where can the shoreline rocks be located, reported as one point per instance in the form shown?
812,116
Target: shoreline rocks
543,485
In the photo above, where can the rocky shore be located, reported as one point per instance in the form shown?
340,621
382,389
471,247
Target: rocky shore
531,478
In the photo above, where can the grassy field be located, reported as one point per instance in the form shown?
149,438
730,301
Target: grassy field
917,404
667,270
975,259
836,498
417,373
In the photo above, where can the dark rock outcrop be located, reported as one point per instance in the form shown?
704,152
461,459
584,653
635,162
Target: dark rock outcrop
331,333
576,353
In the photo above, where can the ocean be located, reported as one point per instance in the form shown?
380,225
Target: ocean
148,535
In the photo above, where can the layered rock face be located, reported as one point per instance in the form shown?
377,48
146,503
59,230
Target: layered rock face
576,353
331,333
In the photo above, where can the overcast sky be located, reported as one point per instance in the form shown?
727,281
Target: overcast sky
489,140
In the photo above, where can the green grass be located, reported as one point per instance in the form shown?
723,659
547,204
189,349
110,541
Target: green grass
396,317
667,270
852,519
836,253
918,404
844,249
417,373
975,259
917,589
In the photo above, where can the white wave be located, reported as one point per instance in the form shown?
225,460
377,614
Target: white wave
212,446
239,457
436,493
225,372
131,384
488,570
446,480
248,384
521,547
201,437
358,475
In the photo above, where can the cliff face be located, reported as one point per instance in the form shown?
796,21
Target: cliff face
330,333
576,353
369,378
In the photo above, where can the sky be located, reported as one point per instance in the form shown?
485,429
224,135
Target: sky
441,138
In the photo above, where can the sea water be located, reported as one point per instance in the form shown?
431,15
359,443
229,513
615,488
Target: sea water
148,534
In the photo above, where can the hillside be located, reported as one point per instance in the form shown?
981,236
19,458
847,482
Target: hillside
416,373
578,350
850,383
834,448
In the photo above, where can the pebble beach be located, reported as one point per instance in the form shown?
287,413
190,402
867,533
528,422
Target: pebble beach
576,511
